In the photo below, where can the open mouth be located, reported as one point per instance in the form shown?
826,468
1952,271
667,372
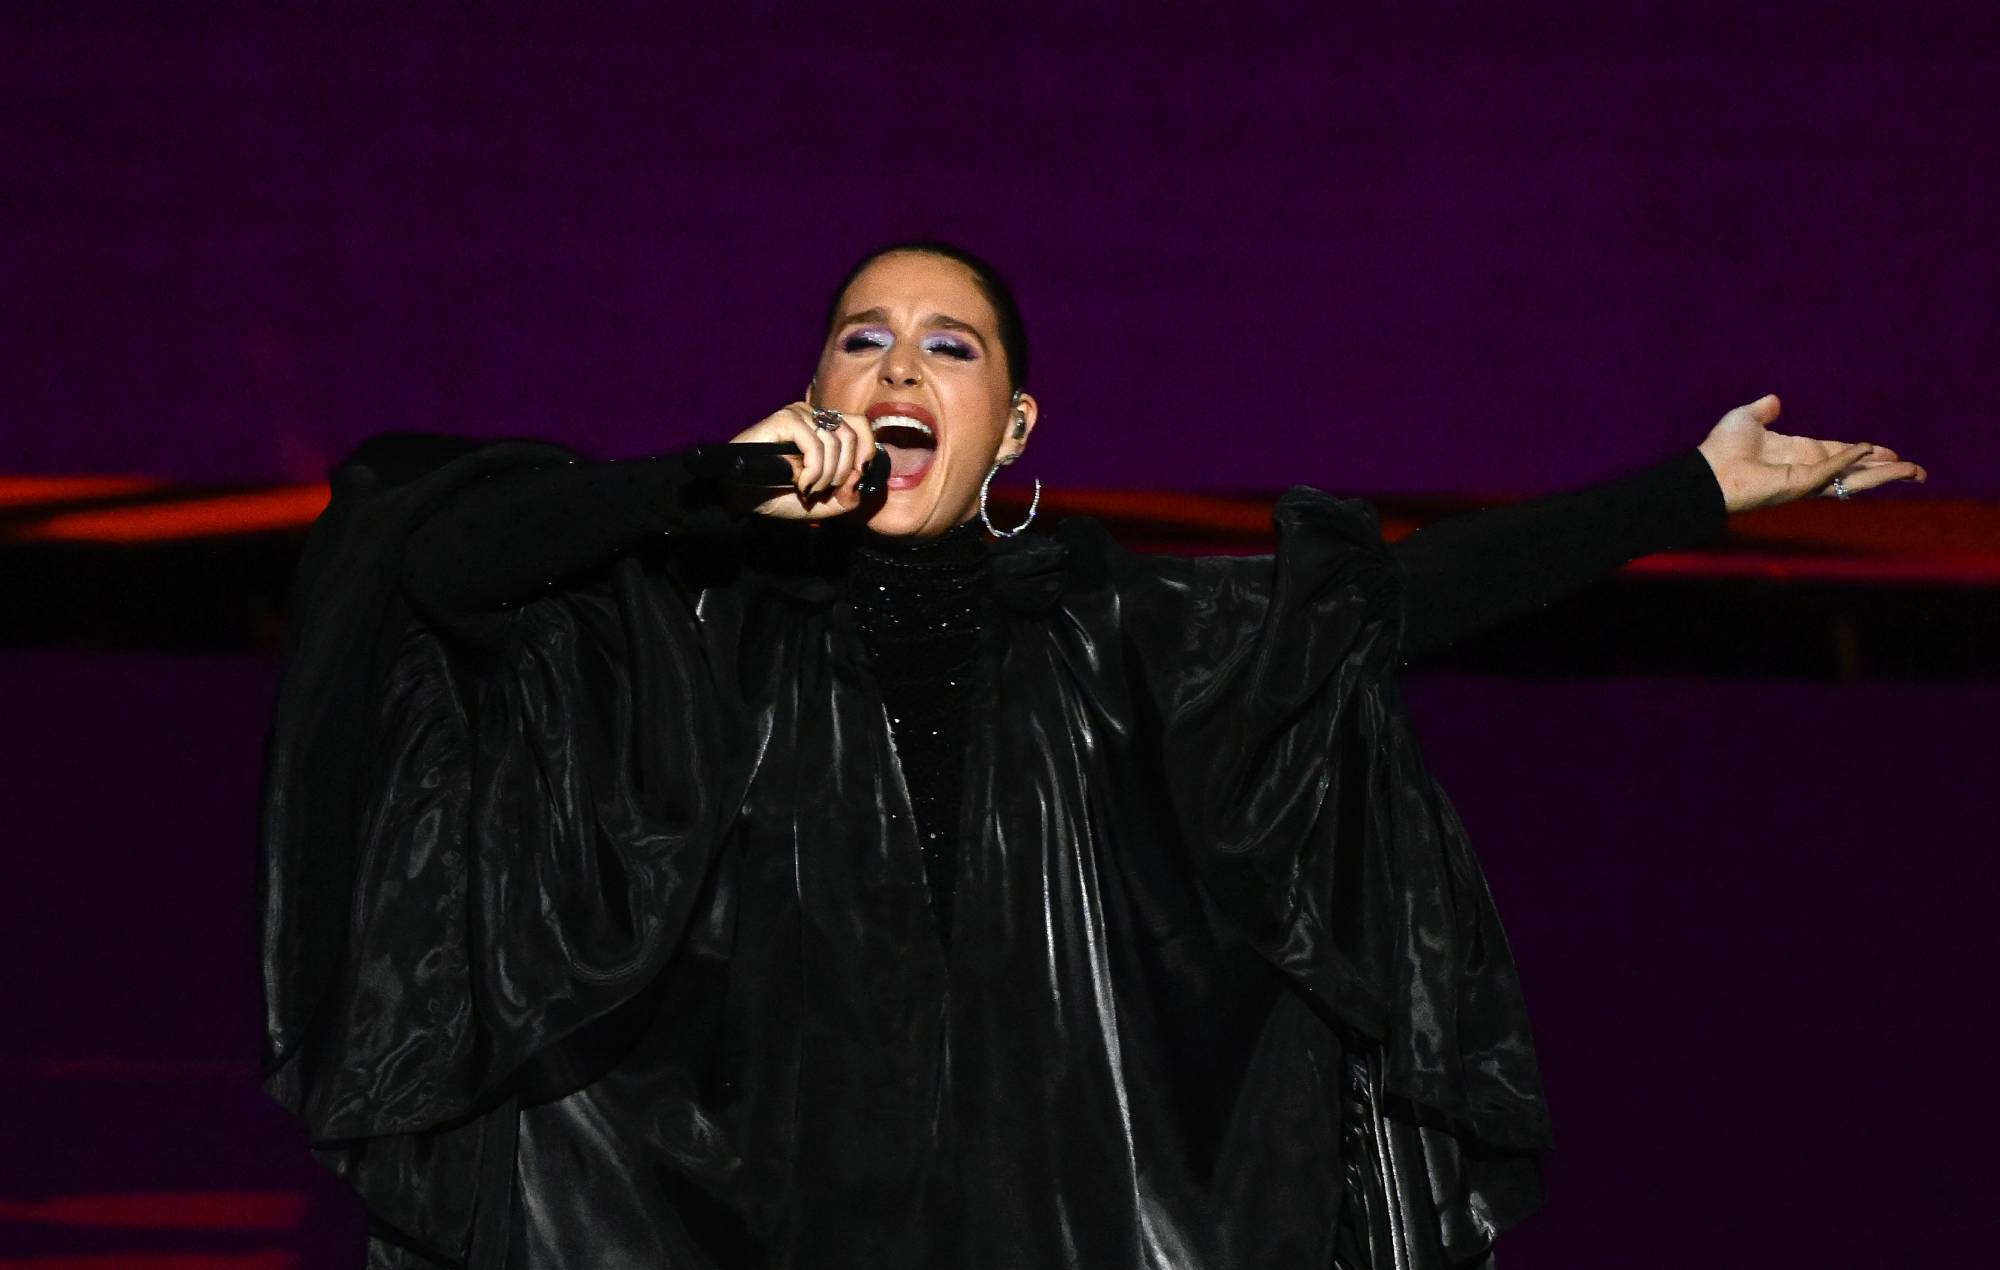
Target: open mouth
909,434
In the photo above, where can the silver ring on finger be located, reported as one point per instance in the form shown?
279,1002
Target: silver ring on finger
827,420
1840,489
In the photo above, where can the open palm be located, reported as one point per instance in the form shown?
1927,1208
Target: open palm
1757,467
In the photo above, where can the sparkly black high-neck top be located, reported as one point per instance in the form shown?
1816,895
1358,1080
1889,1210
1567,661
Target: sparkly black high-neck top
919,604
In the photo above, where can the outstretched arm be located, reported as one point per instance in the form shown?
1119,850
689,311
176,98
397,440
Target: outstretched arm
1472,571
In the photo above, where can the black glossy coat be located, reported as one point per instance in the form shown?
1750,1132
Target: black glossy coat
596,930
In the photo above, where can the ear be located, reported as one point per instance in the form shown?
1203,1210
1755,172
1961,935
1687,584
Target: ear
1021,416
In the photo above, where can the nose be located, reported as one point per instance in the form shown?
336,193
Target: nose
899,367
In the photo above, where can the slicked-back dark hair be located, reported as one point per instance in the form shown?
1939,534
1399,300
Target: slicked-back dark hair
1013,332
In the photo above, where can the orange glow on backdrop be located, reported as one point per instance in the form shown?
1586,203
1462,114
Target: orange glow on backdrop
249,512
1953,542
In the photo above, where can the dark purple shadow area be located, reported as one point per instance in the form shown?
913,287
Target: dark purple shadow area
1754,924
129,1063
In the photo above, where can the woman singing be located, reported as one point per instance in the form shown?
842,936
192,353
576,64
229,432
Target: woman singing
659,877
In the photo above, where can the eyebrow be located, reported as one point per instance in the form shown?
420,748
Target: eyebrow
945,320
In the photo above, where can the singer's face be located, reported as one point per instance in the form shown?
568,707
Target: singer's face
914,337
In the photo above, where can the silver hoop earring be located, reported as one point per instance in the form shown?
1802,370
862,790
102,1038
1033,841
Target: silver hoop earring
1033,503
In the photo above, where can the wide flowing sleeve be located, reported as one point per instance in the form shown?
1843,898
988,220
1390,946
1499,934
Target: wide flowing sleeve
476,846
1319,834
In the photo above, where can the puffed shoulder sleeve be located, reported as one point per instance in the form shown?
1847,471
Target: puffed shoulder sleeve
1319,834
472,853
1257,665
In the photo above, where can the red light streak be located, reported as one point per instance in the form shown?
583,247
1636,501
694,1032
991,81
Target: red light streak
163,1210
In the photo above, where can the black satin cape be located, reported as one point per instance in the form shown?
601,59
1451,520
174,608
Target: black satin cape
595,932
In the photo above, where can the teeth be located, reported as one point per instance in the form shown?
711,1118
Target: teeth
904,421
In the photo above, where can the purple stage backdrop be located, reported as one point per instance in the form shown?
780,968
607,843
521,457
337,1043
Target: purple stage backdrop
1426,255
1396,250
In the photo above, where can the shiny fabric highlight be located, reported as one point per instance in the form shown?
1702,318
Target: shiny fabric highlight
597,933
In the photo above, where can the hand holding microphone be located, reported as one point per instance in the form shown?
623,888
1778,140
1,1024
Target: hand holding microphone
828,462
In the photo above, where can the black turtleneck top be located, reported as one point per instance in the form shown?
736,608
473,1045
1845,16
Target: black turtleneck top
920,604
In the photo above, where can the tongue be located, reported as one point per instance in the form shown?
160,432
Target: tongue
909,460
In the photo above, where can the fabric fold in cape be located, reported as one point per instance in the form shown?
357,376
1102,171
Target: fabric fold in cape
595,929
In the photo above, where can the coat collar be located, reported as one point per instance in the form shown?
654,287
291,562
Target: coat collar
1030,572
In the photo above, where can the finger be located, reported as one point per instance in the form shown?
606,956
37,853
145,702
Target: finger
864,438
787,423
829,461
800,416
1875,454
1820,451
1816,476
863,433
838,445
1869,477
835,443
812,457
844,445
848,493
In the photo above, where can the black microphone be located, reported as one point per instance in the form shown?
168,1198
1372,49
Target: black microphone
761,464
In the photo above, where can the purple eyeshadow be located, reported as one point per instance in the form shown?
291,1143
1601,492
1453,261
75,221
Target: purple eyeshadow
867,337
951,347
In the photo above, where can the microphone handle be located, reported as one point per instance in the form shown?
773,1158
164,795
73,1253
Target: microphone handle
761,465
